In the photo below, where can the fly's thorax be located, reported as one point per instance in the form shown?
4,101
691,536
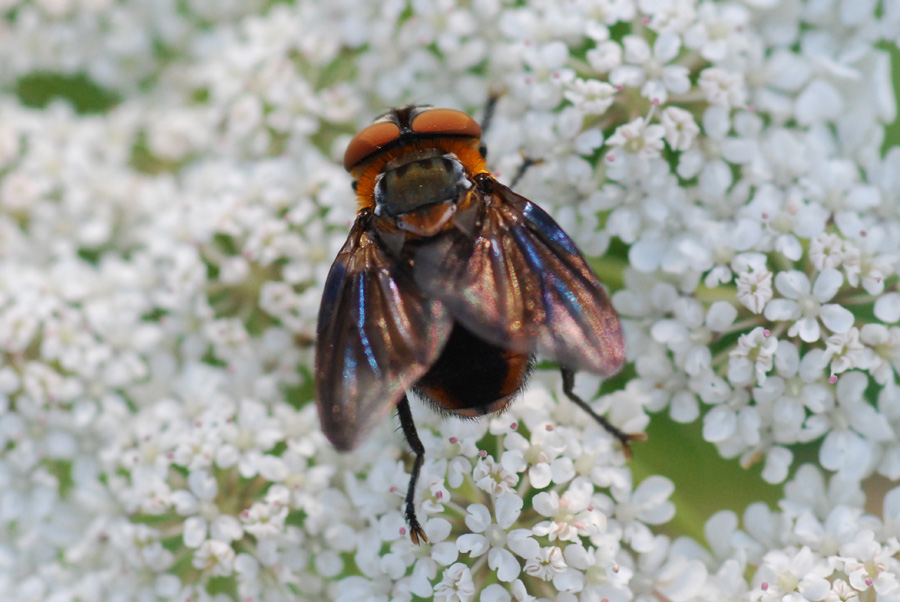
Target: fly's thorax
422,196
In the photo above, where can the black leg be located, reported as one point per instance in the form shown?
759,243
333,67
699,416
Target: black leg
526,164
489,107
416,532
568,377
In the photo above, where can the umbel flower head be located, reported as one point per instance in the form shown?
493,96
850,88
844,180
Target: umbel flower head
171,199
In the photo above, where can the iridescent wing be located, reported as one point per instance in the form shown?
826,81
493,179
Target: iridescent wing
521,283
376,336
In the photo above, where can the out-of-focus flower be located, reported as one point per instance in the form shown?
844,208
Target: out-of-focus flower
171,199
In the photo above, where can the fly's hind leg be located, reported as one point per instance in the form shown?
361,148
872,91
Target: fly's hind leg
568,378
416,532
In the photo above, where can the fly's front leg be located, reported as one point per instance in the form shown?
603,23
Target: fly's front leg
489,109
416,532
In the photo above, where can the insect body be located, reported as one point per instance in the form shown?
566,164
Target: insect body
448,285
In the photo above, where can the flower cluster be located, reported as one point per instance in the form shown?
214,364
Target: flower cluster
163,249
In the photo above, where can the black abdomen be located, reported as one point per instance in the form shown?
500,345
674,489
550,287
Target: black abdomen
472,377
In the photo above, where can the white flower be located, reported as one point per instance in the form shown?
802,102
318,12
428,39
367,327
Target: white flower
752,358
681,129
719,31
796,400
245,438
723,88
883,351
203,514
844,351
826,251
783,573
264,520
497,593
648,69
215,557
863,269
571,516
754,289
785,215
712,159
456,584
648,504
546,564
494,477
163,254
494,538
689,332
601,575
443,553
592,96
849,448
887,308
543,456
638,138
605,57
870,564
808,307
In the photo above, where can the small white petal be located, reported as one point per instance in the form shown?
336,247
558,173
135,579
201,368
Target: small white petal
504,563
546,503
507,509
719,424
787,358
185,503
646,254
887,308
203,485
697,360
845,453
781,309
715,178
684,407
827,284
792,284
778,461
562,470
820,101
226,528
681,579
666,47
740,371
807,328
570,580
479,518
812,364
495,593
445,553
789,246
472,543
836,318
521,542
194,531
539,475
891,508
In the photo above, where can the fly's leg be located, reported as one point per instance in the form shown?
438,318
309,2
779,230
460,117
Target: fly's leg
416,532
568,378
489,108
527,163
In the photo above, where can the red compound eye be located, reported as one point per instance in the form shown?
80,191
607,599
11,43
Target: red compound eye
445,121
370,140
